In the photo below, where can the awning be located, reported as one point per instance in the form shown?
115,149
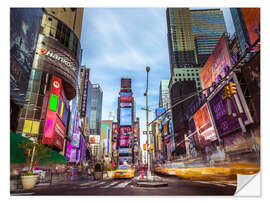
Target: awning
17,154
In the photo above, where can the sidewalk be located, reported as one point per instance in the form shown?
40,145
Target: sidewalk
56,181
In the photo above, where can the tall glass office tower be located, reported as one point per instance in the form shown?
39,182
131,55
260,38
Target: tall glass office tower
96,109
207,27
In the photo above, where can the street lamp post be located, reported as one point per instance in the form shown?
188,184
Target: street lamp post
147,127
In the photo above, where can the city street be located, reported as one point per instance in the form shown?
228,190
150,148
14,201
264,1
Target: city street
116,187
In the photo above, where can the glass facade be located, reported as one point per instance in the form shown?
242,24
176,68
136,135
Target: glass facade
53,27
207,28
96,110
24,29
164,94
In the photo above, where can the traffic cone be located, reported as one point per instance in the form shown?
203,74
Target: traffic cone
142,174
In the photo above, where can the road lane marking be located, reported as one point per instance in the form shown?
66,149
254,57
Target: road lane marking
122,185
84,184
97,184
111,184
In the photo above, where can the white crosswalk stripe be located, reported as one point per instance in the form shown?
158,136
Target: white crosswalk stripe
97,184
90,183
111,184
122,185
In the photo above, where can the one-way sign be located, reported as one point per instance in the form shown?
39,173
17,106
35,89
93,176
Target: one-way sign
145,132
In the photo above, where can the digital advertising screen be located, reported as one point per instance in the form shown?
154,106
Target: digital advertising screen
160,111
115,128
124,130
125,116
223,122
94,139
252,20
125,83
217,61
204,124
129,104
123,142
125,97
124,150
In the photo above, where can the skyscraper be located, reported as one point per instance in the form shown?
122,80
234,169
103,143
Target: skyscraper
164,94
207,27
53,78
192,35
96,109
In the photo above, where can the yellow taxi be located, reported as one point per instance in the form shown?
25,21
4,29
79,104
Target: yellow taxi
124,171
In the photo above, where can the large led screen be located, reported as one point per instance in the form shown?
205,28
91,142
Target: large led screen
252,20
224,123
160,111
204,124
124,130
125,97
123,142
125,116
216,63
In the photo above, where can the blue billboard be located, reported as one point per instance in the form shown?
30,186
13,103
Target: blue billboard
125,116
160,111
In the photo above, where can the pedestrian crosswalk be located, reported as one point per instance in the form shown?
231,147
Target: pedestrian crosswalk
106,184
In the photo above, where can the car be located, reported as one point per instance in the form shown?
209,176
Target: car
124,171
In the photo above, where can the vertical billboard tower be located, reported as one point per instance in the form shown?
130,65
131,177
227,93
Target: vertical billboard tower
125,144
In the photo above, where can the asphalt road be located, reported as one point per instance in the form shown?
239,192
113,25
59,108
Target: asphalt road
126,187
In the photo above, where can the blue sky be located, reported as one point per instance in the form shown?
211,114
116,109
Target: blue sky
121,42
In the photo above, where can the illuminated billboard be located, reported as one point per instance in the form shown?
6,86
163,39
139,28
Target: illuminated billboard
124,150
251,17
224,123
125,104
136,130
115,128
124,130
54,131
125,97
123,142
125,116
94,139
160,111
126,83
204,125
216,63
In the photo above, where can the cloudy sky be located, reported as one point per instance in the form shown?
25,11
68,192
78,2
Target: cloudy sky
121,42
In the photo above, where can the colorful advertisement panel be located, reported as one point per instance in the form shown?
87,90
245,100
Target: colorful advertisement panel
252,20
60,132
124,150
124,142
126,116
129,104
125,97
204,124
94,139
126,83
82,143
124,130
114,144
136,130
24,31
160,111
216,63
115,128
224,123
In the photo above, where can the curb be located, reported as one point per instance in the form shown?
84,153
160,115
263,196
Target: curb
151,184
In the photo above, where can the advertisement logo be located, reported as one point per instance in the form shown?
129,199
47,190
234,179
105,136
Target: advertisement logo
42,51
56,84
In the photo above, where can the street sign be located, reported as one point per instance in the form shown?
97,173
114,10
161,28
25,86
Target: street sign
145,132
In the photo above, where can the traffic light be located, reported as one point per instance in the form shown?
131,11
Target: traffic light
227,92
144,146
232,87
151,146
